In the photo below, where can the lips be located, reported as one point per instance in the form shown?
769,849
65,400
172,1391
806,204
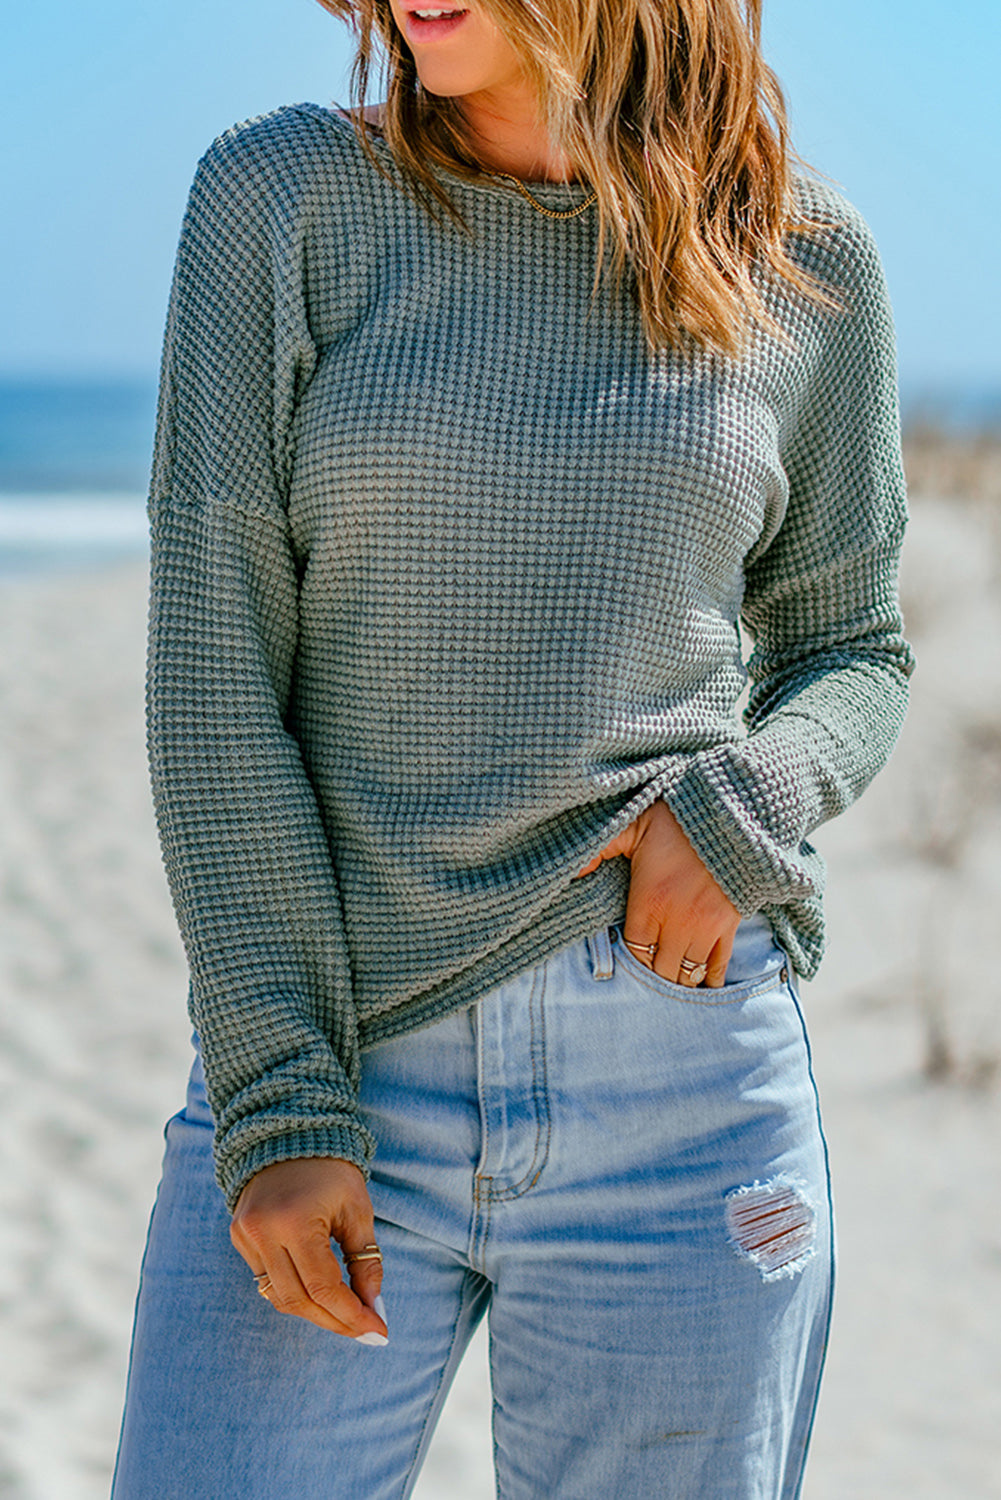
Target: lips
432,23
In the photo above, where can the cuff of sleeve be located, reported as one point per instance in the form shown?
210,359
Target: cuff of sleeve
751,867
351,1143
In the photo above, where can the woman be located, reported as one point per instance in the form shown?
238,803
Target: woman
484,418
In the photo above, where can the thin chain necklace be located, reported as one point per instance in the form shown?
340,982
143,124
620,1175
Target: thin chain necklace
550,213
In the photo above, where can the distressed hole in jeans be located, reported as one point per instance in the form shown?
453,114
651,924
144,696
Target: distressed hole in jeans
773,1225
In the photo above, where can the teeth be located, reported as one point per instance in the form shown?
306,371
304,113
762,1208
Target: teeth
434,15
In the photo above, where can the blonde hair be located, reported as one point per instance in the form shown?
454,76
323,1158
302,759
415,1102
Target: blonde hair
666,108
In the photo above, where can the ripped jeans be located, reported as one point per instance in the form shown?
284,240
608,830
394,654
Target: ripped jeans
627,1177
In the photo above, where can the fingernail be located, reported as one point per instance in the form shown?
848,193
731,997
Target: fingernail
376,1340
380,1308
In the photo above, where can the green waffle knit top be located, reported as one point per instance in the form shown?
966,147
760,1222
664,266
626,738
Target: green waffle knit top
447,575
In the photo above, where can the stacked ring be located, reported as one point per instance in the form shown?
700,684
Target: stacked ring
691,972
367,1252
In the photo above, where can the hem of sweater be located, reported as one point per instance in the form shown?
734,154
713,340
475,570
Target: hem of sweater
596,901
344,1142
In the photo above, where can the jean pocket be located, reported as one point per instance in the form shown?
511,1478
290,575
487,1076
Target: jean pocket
773,972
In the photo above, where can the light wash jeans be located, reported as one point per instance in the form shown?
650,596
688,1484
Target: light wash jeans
627,1176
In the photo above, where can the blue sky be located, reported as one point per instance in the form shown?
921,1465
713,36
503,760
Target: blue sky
108,105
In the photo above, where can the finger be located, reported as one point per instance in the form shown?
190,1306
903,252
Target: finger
692,971
354,1231
326,1289
641,931
719,962
287,1294
677,958
262,1281
364,1268
680,931
670,952
650,915
624,843
642,938
599,858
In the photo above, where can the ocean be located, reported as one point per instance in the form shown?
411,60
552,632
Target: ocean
74,464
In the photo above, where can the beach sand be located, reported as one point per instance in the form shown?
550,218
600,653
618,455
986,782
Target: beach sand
94,1052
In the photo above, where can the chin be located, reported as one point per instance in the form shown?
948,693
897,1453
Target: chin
447,83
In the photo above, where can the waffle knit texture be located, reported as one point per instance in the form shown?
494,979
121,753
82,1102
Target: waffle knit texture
447,575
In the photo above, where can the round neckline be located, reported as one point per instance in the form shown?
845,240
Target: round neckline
555,195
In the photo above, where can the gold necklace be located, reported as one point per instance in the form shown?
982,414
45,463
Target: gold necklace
550,213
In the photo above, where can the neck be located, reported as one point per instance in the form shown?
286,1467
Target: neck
506,135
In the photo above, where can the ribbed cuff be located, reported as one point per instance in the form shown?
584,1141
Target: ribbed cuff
746,862
345,1142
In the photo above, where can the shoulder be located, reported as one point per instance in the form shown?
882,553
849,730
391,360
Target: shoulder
276,158
830,239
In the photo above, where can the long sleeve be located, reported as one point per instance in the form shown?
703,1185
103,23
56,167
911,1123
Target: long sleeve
247,859
829,666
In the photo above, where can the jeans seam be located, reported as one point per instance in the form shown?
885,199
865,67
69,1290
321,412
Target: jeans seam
481,1180
797,1488
486,1214
482,1203
540,1095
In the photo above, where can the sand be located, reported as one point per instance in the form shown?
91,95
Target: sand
94,1051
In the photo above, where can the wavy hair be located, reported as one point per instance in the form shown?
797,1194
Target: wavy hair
665,107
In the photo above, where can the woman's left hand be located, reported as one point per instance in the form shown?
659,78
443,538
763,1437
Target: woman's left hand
674,902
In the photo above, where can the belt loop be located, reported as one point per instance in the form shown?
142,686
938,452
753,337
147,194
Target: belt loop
599,951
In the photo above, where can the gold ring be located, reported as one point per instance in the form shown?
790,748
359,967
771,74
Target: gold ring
650,948
263,1286
694,973
367,1252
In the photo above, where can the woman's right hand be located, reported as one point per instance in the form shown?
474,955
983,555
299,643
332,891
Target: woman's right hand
282,1225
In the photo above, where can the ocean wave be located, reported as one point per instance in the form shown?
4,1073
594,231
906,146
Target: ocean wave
57,532
67,520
